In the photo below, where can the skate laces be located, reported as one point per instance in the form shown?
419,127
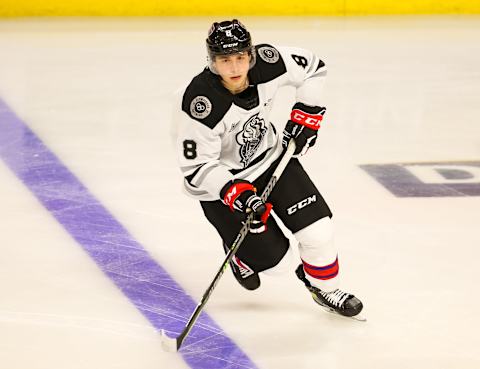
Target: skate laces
336,298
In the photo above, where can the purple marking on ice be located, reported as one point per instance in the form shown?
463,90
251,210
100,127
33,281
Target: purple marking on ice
148,286
402,183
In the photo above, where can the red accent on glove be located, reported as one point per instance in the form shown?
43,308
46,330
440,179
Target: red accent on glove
266,214
236,190
311,121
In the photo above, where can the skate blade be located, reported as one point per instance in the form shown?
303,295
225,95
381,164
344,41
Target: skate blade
358,317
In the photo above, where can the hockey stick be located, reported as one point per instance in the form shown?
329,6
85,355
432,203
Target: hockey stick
173,344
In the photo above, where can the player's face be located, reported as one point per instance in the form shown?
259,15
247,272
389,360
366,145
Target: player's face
233,69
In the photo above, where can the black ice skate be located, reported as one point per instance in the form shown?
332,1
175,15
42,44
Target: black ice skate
337,301
244,275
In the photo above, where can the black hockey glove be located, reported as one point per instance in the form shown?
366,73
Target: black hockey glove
303,126
242,196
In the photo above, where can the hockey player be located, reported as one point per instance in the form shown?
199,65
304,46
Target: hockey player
228,148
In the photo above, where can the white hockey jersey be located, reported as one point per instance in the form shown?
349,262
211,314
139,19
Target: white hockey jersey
219,136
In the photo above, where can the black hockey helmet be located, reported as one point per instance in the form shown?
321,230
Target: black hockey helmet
228,37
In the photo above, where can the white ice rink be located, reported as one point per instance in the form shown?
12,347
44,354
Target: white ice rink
97,93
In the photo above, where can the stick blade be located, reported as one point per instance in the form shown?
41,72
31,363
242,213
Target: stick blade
169,344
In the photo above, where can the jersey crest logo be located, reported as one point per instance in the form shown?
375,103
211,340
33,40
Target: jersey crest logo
200,107
268,54
250,138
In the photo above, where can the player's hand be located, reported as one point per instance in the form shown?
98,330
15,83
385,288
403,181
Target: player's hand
242,196
259,222
303,127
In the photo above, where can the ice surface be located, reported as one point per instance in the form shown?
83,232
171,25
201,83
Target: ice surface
97,93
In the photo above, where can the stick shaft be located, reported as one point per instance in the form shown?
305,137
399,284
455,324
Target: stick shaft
236,244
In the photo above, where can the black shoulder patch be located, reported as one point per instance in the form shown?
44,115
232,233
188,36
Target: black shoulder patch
269,64
205,99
